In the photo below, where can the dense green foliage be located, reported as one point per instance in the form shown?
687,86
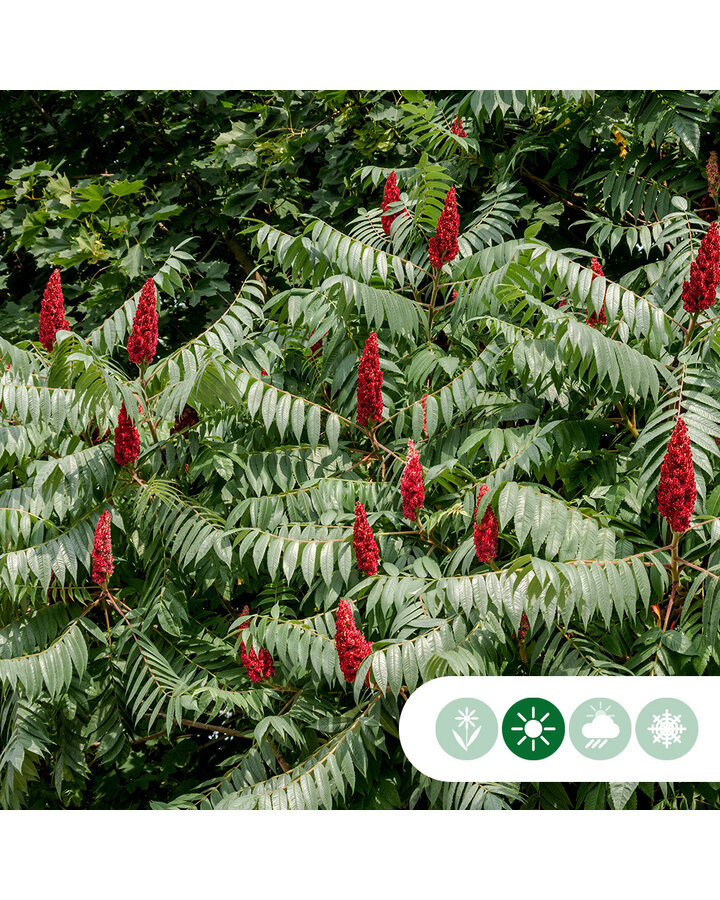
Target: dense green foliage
259,218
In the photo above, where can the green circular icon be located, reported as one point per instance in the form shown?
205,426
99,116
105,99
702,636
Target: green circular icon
466,728
533,728
600,728
666,728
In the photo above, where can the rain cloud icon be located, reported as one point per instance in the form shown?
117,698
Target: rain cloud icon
600,730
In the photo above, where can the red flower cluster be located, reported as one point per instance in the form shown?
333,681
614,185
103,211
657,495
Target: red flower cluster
444,246
102,558
713,176
423,401
367,554
412,487
485,535
258,665
699,292
352,648
457,127
707,209
370,379
391,195
52,311
143,340
317,346
524,628
677,491
593,318
127,440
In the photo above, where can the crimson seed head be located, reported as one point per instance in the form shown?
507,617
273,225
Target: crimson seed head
412,486
457,127
52,312
142,344
391,195
370,379
713,175
677,490
102,558
444,246
593,318
524,627
367,554
127,440
699,291
258,665
351,646
485,535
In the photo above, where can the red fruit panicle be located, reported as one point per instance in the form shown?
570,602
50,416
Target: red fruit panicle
485,535
700,290
258,665
524,628
677,491
391,195
713,175
444,246
102,558
52,312
127,440
457,127
367,554
142,344
370,380
351,646
412,486
593,318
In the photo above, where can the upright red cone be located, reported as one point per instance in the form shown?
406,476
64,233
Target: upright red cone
127,440
457,127
142,343
485,535
593,318
713,175
351,646
52,312
412,486
443,247
367,554
102,558
700,290
391,195
370,379
258,665
677,491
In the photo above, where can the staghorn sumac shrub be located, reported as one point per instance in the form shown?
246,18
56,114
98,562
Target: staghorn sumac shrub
499,458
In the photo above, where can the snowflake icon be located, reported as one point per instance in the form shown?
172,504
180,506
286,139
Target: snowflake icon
667,729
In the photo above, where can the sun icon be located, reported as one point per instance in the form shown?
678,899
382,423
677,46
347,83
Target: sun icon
533,728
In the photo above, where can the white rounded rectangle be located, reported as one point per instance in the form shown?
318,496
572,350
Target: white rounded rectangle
616,728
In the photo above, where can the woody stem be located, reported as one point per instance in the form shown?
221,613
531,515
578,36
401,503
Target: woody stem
433,298
675,566
675,575
693,323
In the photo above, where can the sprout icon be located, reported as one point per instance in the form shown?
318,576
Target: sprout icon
601,729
